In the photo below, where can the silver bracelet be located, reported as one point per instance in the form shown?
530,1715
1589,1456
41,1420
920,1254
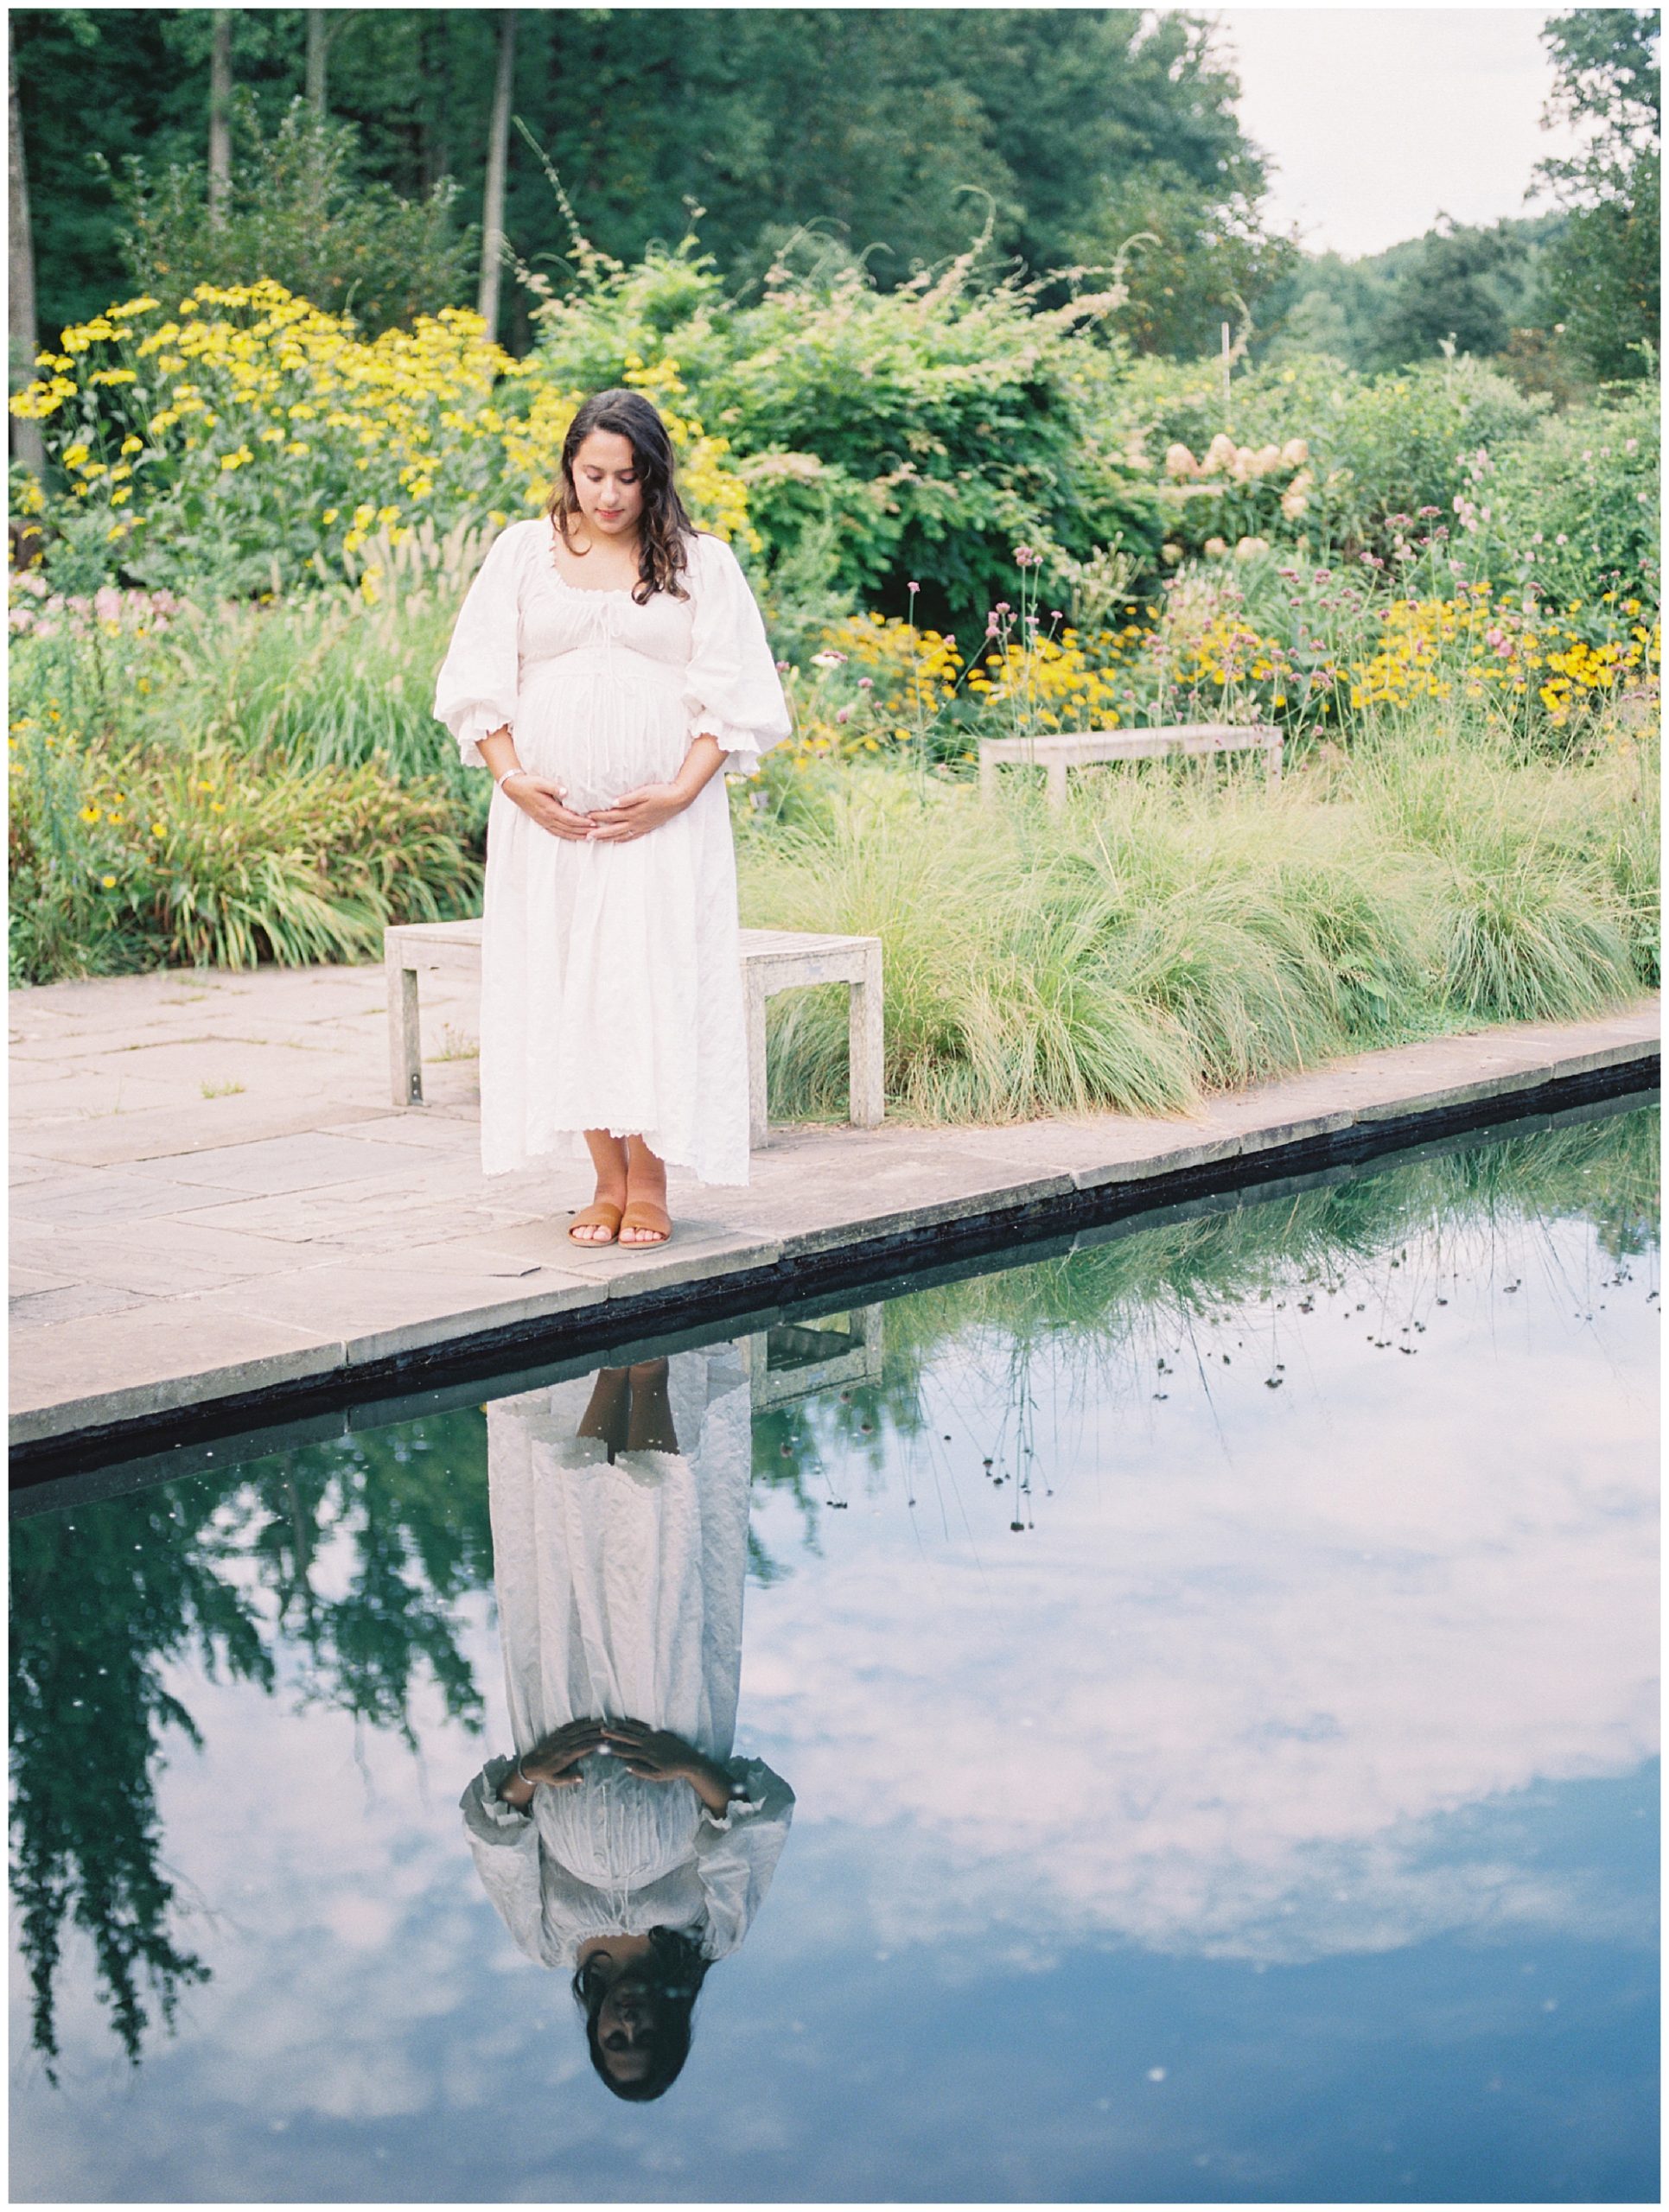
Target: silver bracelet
502,781
527,1778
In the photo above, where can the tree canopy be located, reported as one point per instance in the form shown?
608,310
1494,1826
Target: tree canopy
1604,278
893,130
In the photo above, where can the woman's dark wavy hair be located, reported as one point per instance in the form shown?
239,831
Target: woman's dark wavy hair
672,1974
665,527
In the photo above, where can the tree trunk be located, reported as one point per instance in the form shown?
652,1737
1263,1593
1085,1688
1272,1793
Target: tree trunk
27,445
498,147
220,120
434,60
318,49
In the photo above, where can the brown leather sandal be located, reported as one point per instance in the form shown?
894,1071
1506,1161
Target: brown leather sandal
604,1214
644,1213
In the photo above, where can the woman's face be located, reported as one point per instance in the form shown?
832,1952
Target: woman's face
626,2027
607,484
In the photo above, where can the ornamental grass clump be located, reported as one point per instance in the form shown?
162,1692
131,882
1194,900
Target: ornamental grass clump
126,859
1173,932
1546,901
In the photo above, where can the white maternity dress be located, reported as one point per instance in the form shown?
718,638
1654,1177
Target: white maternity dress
611,997
620,1594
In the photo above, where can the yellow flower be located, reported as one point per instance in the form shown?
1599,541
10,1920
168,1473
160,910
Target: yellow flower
109,882
89,813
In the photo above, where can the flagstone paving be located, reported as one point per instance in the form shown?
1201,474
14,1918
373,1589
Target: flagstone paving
211,1194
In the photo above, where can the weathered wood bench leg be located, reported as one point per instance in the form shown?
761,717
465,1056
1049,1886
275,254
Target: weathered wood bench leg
1272,764
868,1329
758,1111
404,1036
1055,770
866,1048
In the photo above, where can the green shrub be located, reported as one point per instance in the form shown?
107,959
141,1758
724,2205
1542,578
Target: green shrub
1578,511
299,213
882,437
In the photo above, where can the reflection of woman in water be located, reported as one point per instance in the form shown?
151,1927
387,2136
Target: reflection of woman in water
624,1841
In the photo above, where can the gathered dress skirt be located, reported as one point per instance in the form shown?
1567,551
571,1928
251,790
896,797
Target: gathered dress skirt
611,994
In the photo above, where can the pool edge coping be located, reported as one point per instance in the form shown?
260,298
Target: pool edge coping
739,1274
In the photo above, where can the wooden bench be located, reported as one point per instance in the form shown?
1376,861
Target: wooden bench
1054,754
771,960
787,1363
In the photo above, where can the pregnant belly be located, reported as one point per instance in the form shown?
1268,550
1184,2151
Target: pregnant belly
602,732
617,1828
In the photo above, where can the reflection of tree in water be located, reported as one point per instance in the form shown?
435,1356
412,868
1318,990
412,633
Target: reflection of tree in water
105,1597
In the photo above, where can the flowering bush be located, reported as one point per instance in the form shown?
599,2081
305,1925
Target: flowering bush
1373,446
36,609
246,440
1306,647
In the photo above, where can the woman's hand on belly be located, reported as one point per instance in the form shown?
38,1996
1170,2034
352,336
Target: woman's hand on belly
659,1755
637,813
544,802
650,804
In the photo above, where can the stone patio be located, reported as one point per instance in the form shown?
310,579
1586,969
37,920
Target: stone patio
211,1194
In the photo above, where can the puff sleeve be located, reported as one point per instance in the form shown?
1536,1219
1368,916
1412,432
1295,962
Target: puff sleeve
475,690
736,1853
731,690
506,1845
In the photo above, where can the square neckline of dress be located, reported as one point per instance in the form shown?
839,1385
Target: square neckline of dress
579,591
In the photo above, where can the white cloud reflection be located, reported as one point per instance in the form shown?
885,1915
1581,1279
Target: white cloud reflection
1227,1701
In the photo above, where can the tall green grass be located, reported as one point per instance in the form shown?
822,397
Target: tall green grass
1164,937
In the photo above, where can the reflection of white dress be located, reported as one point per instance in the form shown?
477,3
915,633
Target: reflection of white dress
610,993
620,1594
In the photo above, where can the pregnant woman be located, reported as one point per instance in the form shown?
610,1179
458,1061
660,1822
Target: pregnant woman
608,661
625,1842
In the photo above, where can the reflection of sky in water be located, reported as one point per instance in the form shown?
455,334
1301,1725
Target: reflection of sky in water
1272,1816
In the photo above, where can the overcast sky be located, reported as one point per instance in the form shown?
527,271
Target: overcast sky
1376,120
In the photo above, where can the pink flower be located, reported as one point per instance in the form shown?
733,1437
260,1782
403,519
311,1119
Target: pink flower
913,587
1002,606
842,714
866,684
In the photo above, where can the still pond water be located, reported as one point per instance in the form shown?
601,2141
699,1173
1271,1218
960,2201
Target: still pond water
1213,1666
